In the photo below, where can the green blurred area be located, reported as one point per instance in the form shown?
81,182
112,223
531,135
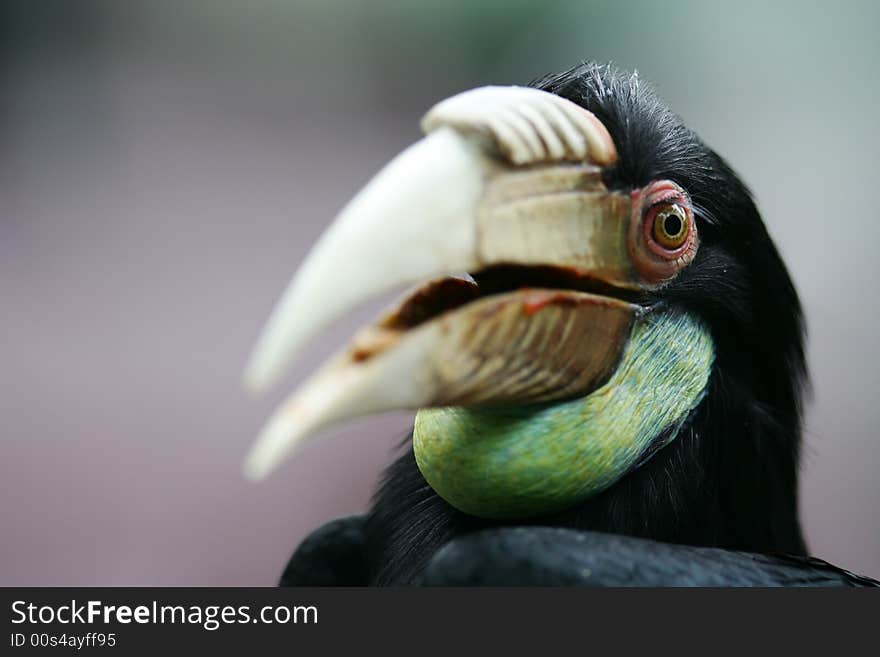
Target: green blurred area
695,51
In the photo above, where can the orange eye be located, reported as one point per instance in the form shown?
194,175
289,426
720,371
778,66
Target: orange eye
670,228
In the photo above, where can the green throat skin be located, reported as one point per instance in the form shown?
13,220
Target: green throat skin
526,461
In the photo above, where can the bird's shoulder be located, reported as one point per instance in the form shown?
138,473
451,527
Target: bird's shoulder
332,555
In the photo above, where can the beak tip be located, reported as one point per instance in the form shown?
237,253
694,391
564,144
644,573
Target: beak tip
260,373
277,440
253,470
253,383
259,462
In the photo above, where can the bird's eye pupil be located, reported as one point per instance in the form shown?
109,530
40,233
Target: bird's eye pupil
670,228
672,225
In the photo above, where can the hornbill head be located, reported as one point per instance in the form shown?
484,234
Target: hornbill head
599,286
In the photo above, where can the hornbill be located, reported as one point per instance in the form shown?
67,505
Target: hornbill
607,357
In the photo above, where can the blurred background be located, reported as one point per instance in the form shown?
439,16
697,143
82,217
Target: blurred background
164,167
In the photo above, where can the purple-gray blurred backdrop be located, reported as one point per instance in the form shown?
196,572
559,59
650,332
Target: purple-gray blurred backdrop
164,167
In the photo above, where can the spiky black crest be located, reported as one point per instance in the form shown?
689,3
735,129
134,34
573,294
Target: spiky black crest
730,477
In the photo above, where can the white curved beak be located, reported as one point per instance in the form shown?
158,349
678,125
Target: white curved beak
506,176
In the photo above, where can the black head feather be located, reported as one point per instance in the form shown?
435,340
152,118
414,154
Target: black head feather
730,477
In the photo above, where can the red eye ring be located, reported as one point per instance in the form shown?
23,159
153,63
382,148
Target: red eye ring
663,234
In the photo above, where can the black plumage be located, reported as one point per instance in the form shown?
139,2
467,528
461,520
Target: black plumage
553,556
728,481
